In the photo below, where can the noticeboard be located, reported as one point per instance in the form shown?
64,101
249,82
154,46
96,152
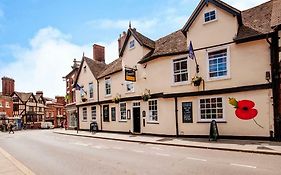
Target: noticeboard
130,75
187,112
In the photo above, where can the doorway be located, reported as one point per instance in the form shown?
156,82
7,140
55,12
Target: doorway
136,119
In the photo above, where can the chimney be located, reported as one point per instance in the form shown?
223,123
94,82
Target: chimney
60,99
39,93
98,53
8,86
121,41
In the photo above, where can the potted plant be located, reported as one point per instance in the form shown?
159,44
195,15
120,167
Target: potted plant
146,95
83,98
117,98
196,80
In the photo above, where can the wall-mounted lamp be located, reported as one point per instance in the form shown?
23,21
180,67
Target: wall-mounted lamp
267,76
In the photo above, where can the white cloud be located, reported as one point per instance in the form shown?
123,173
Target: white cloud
244,4
46,61
142,24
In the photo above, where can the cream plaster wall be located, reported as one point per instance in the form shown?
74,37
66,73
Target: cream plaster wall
85,124
83,80
248,64
220,31
233,126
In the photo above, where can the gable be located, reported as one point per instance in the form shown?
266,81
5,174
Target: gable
204,34
219,4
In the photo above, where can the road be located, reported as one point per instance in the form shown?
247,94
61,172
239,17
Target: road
47,153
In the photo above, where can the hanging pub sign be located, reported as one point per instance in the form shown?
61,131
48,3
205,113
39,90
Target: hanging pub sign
130,75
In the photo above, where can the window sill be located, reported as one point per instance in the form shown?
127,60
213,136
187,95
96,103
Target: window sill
122,121
181,83
218,79
151,122
209,121
84,120
214,20
131,92
107,96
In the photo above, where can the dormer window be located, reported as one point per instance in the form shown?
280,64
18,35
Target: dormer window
210,16
132,44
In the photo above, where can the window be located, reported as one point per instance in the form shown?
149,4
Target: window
129,86
132,44
84,114
210,16
106,113
180,70
211,109
107,86
123,111
82,91
91,90
152,105
113,114
94,112
85,68
218,64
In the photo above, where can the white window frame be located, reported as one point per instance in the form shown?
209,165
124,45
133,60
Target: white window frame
94,113
84,117
123,114
150,112
180,59
107,81
91,90
228,75
127,83
223,119
132,42
216,15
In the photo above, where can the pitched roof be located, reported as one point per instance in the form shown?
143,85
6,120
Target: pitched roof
276,13
111,68
143,40
260,20
174,43
24,96
96,67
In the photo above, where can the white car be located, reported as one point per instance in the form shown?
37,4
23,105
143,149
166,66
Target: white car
47,125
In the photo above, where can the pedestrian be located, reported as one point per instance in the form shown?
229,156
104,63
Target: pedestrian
10,126
65,125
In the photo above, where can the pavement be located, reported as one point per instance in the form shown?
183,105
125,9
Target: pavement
11,166
249,146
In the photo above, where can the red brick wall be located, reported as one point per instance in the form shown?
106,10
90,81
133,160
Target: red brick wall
3,108
98,53
8,86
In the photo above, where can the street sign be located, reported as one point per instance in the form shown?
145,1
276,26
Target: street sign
130,75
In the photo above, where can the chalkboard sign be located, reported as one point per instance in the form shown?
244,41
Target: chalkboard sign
214,132
187,112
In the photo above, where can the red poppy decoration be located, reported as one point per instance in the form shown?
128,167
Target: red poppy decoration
245,110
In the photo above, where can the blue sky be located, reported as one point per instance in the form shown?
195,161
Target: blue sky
40,38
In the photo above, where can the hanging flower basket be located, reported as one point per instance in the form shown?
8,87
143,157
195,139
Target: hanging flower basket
84,99
117,98
146,95
196,80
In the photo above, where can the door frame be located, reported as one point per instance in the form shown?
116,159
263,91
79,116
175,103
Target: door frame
133,119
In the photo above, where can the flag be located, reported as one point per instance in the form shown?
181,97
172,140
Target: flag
77,87
191,51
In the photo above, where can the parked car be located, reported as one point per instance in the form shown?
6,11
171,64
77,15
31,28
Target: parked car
47,125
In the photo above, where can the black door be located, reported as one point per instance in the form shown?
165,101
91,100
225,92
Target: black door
136,116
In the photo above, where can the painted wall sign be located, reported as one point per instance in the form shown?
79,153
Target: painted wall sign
187,112
130,75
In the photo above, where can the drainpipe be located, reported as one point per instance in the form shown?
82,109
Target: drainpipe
98,93
176,115
274,55
77,118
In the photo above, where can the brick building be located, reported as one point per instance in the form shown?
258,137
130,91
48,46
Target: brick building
55,111
70,95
